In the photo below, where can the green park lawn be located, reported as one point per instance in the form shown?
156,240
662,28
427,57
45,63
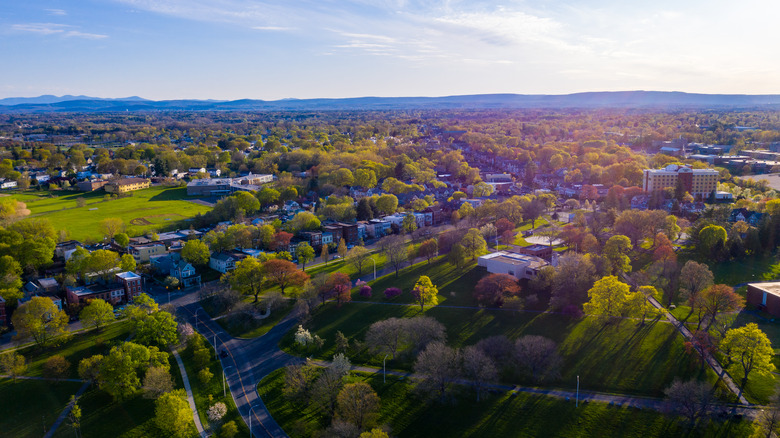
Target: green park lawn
501,414
32,406
201,391
153,209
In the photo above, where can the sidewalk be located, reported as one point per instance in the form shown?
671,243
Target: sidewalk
190,398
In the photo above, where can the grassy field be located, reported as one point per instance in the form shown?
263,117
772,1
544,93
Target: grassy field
30,406
499,415
214,388
153,209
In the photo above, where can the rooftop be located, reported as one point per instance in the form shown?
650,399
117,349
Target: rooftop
770,287
128,275
516,259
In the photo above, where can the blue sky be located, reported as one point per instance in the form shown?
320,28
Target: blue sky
274,49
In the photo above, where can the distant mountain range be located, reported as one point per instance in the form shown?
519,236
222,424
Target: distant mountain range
615,99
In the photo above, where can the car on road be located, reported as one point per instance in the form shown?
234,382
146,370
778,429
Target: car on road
223,354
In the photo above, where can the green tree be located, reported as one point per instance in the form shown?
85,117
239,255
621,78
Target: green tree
229,430
303,221
409,223
97,314
122,239
74,416
127,263
325,254
245,201
750,349
424,292
387,203
39,319
342,248
158,328
196,252
358,257
616,251
342,177
428,249
268,196
305,254
712,238
473,243
457,256
118,371
609,297
247,277
173,414
10,280
365,178
482,189
13,364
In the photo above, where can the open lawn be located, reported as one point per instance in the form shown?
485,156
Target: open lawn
79,346
201,391
501,414
153,209
30,407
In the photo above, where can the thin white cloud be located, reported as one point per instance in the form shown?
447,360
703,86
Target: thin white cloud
63,30
59,12
85,35
273,28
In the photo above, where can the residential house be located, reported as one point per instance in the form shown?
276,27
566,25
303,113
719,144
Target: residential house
63,250
6,183
91,185
314,238
124,287
378,228
222,262
214,173
185,273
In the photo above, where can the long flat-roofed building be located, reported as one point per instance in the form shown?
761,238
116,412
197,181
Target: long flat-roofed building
699,182
765,296
520,266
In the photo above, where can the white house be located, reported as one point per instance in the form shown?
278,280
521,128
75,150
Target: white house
517,265
222,262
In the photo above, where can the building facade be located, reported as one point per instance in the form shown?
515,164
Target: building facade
697,182
520,266
125,185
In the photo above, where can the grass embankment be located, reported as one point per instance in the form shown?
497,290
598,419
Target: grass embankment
201,391
500,414
153,209
622,358
242,325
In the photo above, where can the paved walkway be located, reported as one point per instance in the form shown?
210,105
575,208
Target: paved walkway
190,398
640,402
41,378
711,361
65,412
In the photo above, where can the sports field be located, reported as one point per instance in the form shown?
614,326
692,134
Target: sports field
153,209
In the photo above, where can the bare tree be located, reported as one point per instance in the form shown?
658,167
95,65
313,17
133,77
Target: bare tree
478,368
690,399
358,257
538,356
396,252
422,330
694,278
386,336
438,366
498,348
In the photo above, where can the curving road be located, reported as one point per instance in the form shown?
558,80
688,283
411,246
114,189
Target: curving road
246,363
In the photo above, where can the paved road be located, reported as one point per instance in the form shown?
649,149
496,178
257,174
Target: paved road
247,362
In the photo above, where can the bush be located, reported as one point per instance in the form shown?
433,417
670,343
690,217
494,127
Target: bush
229,430
205,375
365,291
392,292
56,367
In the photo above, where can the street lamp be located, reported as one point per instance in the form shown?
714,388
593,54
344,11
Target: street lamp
196,318
374,262
251,410
577,402
384,370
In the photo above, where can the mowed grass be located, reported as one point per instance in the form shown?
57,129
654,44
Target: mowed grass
153,209
502,414
32,406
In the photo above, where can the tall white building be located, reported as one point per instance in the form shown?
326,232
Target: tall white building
697,182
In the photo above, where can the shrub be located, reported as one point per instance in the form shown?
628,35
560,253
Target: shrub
365,291
205,375
303,337
392,292
217,412
229,430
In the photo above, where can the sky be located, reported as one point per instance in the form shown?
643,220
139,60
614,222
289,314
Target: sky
276,49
